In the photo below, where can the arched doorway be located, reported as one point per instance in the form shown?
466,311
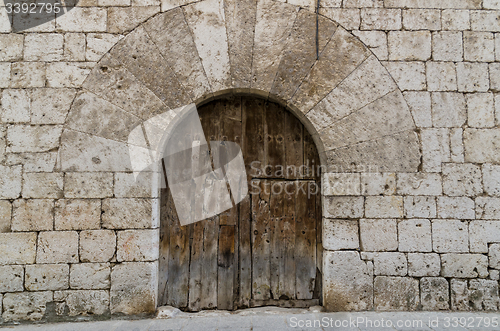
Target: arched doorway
267,249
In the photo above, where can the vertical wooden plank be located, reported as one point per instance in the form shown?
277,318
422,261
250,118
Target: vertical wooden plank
274,142
208,298
165,222
245,254
225,289
195,266
275,229
311,157
294,146
287,265
253,131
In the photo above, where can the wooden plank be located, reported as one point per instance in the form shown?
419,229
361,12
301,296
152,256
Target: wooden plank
165,202
208,299
294,146
274,142
245,254
285,303
253,131
287,264
196,266
225,287
311,157
275,229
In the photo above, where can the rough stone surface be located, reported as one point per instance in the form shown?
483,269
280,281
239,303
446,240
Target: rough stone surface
487,208
462,180
33,215
414,235
419,184
41,185
378,235
128,213
137,245
57,247
343,207
464,265
384,207
396,293
449,236
448,109
43,277
25,306
18,248
390,264
481,233
76,214
86,303
420,207
481,145
378,183
88,185
11,278
97,245
5,216
435,148
341,184
423,265
494,256
455,207
90,276
434,293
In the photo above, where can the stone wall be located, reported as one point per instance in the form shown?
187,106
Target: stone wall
82,238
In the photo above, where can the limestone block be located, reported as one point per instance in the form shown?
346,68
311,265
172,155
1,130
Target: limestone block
481,233
97,245
348,18
459,294
128,213
10,182
487,208
480,110
88,185
457,145
11,278
495,77
462,179
137,245
25,138
341,184
77,214
384,207
481,146
33,215
472,77
448,109
124,19
127,185
497,46
455,19
15,106
420,107
483,294
491,4
380,19
375,40
5,74
485,20
43,47
90,276
449,236
447,46
419,184
378,183
423,265
43,277
51,106
409,45
479,46
82,302
28,74
420,207
434,293
494,274
348,282
456,207
67,74
459,4
74,47
33,162
83,19
464,265
57,247
441,76
98,44
415,235
422,19
378,235
11,47
408,75
491,179
340,234
343,207
396,293
494,256
17,248
25,306
5,216
390,264
39,185
133,288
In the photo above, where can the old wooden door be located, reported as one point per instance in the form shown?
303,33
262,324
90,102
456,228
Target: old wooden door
267,249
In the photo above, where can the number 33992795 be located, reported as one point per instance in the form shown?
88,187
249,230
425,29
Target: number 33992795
33,8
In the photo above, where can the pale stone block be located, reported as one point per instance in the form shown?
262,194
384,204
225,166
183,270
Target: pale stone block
481,145
457,145
127,185
483,294
480,110
376,41
80,19
472,77
409,45
415,235
11,47
43,277
343,207
74,47
17,248
460,4
348,18
43,185
67,74
419,184
441,76
90,276
380,19
57,247
340,234
494,274
25,306
453,19
81,302
422,19
128,213
390,264
462,179
43,47
485,20
447,46
479,46
497,108
420,107
5,74
494,256
374,183
51,106
408,75
88,185
123,19
396,293
5,216
26,138
28,74
146,2
449,236
481,233
15,106
423,265
491,179
341,184
377,235
497,46
488,208
11,278
434,293
459,294
348,282
420,207
33,162
495,77
134,288
98,44
74,214
464,265
33,215
448,109
455,207
10,183
137,245
491,4
384,207
115,3
97,246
